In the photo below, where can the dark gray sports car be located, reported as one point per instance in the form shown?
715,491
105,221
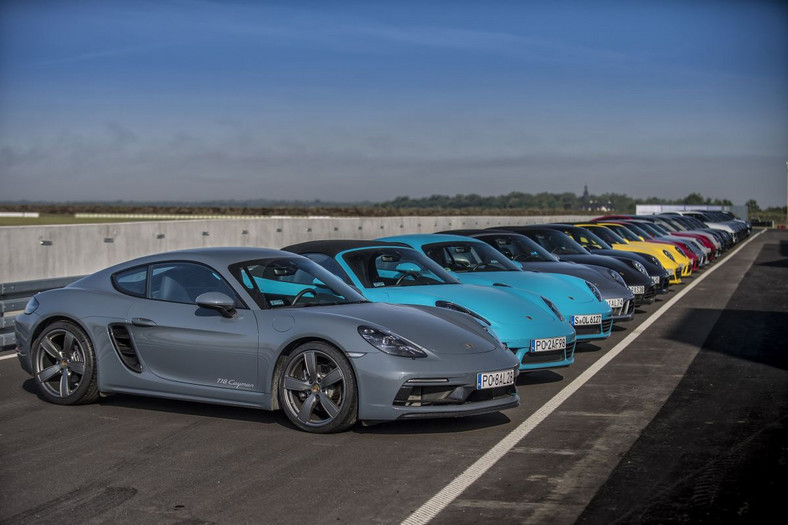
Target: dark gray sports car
259,328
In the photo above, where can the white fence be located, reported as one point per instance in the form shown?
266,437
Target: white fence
42,252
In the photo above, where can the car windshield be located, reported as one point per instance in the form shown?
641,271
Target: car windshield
292,282
639,231
519,248
608,235
471,256
384,267
650,228
587,239
624,232
556,242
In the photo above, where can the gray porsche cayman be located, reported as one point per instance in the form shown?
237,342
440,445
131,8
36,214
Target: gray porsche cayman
259,328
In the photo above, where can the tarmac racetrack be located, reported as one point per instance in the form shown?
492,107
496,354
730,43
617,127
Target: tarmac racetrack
679,417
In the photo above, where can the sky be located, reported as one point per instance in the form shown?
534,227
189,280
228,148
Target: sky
195,100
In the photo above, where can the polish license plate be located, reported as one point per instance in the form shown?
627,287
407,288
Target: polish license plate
637,290
546,345
655,279
617,302
494,379
584,320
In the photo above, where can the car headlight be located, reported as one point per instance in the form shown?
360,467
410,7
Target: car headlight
681,251
616,277
32,306
553,307
594,290
457,308
668,255
639,267
390,343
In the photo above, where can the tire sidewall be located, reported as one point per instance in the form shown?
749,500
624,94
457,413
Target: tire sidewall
348,414
86,384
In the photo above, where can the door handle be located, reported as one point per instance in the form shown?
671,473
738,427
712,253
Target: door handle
141,321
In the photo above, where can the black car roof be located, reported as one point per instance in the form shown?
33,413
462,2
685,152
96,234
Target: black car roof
335,246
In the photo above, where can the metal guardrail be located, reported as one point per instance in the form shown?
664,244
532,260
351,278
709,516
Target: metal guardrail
14,297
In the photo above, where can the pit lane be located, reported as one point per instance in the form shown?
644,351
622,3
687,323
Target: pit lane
638,441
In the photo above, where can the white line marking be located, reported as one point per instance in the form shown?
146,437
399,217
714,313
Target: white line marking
7,357
451,491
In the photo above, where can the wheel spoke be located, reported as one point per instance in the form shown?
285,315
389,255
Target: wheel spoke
291,383
305,414
64,390
68,344
328,405
332,377
48,373
78,367
310,362
50,348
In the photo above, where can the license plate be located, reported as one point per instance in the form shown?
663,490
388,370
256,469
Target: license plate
618,302
494,379
655,279
637,290
584,320
546,345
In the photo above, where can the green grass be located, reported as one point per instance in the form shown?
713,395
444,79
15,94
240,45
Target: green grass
52,218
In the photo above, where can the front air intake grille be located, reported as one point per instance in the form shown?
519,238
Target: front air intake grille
124,346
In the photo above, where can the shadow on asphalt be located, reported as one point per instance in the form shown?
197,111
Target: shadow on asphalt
585,347
435,426
538,377
758,336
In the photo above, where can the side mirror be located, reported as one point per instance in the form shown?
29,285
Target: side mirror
217,301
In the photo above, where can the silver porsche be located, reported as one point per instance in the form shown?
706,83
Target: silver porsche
263,329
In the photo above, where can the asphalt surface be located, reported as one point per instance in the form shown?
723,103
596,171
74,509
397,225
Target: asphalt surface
686,424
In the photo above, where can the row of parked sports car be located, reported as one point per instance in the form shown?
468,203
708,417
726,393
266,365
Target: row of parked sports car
336,331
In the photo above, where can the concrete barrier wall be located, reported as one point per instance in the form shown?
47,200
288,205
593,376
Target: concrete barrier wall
41,252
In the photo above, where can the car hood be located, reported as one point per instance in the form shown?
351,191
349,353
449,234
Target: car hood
561,289
512,317
440,332
608,287
631,276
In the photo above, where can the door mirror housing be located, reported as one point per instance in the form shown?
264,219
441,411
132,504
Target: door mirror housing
219,302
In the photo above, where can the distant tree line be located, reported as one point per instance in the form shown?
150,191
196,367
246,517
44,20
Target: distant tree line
514,203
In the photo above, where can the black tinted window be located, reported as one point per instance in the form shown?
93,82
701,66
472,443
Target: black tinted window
182,282
132,282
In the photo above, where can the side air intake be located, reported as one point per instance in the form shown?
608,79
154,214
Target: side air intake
124,346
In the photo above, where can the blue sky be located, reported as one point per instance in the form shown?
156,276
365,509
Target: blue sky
342,101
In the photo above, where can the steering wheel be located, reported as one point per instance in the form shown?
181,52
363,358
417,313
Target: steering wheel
477,266
302,293
415,276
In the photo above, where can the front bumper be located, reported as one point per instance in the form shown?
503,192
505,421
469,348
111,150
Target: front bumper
393,387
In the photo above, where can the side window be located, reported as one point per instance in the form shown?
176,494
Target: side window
184,282
132,282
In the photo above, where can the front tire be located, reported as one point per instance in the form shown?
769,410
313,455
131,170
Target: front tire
317,389
64,365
